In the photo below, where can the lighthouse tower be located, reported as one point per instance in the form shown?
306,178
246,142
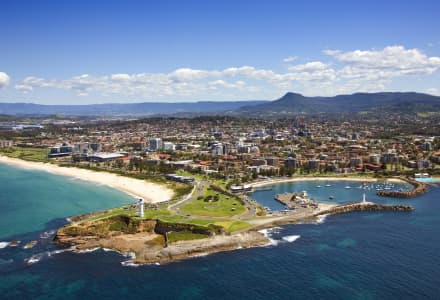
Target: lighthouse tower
141,207
363,199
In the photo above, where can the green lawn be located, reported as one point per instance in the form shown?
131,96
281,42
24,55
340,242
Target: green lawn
31,154
231,226
214,204
184,236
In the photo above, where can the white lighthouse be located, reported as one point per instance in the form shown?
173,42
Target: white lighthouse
363,199
141,207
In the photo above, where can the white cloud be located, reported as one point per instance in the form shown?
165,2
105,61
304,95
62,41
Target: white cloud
23,87
4,79
345,72
433,91
310,66
392,61
290,59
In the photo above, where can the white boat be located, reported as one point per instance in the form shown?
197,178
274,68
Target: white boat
328,185
348,187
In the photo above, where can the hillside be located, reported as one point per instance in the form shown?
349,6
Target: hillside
293,103
124,109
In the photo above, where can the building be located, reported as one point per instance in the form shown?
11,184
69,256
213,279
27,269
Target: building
273,161
290,163
217,149
168,146
313,164
427,146
179,178
6,143
374,159
355,161
156,144
104,156
60,151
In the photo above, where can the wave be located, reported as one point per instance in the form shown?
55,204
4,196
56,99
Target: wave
88,250
321,219
268,234
4,244
34,258
47,234
130,263
39,256
291,238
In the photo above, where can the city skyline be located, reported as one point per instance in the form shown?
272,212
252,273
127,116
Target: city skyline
103,52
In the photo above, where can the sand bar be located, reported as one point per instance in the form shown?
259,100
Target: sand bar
152,192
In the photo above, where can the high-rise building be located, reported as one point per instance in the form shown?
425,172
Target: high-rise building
156,144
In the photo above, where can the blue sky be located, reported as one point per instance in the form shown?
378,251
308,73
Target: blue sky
67,52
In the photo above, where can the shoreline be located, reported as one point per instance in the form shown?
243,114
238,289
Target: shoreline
152,247
149,191
322,178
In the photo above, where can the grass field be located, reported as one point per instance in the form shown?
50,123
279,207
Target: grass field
214,204
184,236
231,226
30,154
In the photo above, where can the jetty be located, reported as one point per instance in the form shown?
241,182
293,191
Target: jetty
295,200
365,206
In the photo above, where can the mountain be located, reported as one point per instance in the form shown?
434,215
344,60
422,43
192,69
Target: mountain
292,103
124,109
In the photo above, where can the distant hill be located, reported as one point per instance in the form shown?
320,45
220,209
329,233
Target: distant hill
292,103
124,109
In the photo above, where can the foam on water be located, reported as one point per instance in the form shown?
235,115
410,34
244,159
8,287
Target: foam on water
34,258
268,234
47,234
130,263
321,219
291,238
3,245
88,250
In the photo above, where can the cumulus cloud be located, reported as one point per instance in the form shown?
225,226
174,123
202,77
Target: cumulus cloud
290,59
345,72
391,61
310,66
4,79
433,91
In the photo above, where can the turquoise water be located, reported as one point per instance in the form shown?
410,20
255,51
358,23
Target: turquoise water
428,180
385,255
30,199
340,191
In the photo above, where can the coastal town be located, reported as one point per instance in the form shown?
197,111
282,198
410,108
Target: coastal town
235,148
193,176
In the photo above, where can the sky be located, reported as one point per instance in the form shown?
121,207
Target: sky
82,52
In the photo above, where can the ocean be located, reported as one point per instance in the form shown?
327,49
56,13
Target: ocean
385,255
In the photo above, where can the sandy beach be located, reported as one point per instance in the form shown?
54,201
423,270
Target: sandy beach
149,191
332,178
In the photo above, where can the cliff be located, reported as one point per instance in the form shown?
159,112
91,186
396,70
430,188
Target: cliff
153,240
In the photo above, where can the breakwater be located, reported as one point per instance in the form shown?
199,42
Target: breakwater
419,189
362,206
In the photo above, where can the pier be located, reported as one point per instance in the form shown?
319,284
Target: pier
294,200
